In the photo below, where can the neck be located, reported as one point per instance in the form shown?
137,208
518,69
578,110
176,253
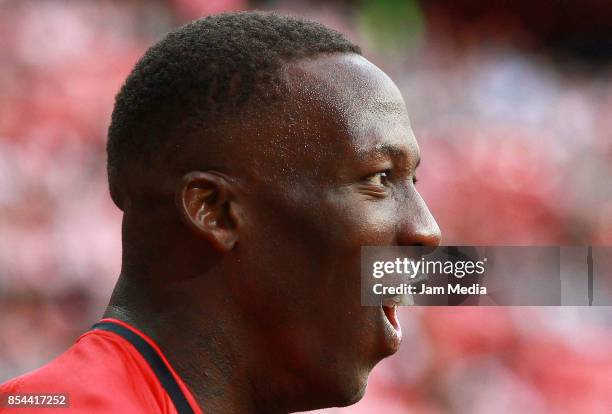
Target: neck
208,345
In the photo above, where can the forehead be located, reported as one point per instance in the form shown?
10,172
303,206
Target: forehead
353,105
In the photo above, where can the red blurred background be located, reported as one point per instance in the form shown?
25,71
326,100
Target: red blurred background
511,103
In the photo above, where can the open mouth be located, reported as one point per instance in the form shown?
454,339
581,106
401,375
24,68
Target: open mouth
389,305
391,314
393,328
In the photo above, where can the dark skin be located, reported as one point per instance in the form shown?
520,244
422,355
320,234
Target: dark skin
248,277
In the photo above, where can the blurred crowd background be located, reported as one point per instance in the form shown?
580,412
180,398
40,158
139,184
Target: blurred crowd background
511,103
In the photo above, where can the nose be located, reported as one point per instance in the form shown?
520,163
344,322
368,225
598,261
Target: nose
418,227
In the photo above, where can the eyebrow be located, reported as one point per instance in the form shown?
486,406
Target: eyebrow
387,151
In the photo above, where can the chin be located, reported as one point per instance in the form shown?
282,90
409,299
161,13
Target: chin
355,395
346,390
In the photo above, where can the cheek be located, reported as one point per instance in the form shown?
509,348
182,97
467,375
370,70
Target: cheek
355,222
302,286
312,246
283,257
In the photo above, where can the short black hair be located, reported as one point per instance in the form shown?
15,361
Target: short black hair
203,73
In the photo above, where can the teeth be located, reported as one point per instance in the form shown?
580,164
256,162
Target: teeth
389,301
393,301
398,300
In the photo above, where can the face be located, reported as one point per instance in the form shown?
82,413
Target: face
338,172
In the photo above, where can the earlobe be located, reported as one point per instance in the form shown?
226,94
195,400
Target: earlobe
204,201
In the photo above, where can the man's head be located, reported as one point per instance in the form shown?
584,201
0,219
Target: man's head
253,155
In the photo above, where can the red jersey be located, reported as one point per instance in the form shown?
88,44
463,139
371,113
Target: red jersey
114,368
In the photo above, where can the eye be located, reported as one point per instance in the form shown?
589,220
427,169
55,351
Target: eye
380,179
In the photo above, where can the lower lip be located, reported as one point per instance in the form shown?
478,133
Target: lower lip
392,328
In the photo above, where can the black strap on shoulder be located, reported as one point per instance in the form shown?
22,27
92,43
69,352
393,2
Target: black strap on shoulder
155,361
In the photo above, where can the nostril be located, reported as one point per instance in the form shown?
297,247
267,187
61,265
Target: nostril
427,239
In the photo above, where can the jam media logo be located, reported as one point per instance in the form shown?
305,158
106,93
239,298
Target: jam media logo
486,275
410,274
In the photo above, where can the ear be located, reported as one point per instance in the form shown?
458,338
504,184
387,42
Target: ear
205,203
